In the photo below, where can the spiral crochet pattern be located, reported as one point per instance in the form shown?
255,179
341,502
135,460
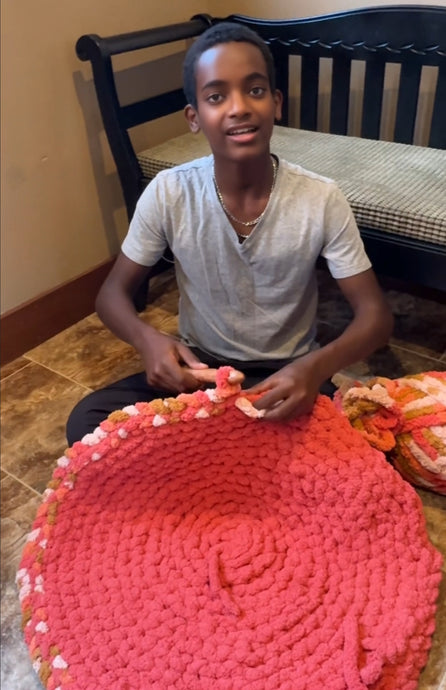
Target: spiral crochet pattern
185,545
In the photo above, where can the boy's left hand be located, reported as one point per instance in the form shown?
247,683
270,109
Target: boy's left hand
289,392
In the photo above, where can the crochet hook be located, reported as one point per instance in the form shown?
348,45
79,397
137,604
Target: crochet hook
209,375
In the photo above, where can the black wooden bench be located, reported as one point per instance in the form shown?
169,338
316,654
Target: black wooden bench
397,188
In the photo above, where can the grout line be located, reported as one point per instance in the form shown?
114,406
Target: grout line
20,481
13,373
415,352
58,373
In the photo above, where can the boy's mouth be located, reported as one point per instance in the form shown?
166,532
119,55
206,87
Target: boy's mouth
240,131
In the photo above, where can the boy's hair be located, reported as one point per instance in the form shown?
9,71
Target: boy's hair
224,32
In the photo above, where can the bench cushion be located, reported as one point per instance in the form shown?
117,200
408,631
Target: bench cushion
396,188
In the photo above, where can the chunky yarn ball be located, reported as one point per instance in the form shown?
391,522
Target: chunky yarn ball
406,419
188,545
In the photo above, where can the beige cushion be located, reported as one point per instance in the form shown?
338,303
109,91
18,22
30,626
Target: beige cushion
397,188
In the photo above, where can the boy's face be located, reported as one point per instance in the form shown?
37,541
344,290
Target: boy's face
235,106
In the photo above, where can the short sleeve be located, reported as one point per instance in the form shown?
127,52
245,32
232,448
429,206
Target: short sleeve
145,241
343,248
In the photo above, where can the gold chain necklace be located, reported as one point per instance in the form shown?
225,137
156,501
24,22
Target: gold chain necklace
246,223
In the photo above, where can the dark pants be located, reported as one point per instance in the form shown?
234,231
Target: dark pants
96,406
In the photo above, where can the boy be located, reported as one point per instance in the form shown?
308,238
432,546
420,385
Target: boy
245,230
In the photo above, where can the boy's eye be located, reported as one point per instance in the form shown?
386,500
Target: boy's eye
257,91
214,98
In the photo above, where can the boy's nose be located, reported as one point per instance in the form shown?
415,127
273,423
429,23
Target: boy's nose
238,104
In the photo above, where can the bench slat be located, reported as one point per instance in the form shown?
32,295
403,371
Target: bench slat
437,137
407,102
282,64
309,92
152,108
340,94
373,97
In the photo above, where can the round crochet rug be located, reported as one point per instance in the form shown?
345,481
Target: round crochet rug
186,545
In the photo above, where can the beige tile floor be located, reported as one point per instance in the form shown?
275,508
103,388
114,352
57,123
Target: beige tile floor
40,388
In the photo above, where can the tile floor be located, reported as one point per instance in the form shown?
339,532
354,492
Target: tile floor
40,388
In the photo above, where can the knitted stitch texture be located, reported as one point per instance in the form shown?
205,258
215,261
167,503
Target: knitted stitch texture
406,419
184,545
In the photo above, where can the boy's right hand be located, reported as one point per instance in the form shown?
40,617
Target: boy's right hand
163,357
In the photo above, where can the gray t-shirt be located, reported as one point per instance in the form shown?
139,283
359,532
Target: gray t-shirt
256,300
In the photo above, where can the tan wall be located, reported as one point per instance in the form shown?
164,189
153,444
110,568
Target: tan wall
62,207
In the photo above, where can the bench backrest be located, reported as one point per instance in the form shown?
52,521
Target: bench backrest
411,37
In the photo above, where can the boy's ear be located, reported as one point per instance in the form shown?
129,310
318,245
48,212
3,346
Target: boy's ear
278,100
191,116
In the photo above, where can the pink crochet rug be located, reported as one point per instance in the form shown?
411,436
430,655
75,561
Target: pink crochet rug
185,545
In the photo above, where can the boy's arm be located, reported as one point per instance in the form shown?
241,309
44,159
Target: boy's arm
161,354
293,390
